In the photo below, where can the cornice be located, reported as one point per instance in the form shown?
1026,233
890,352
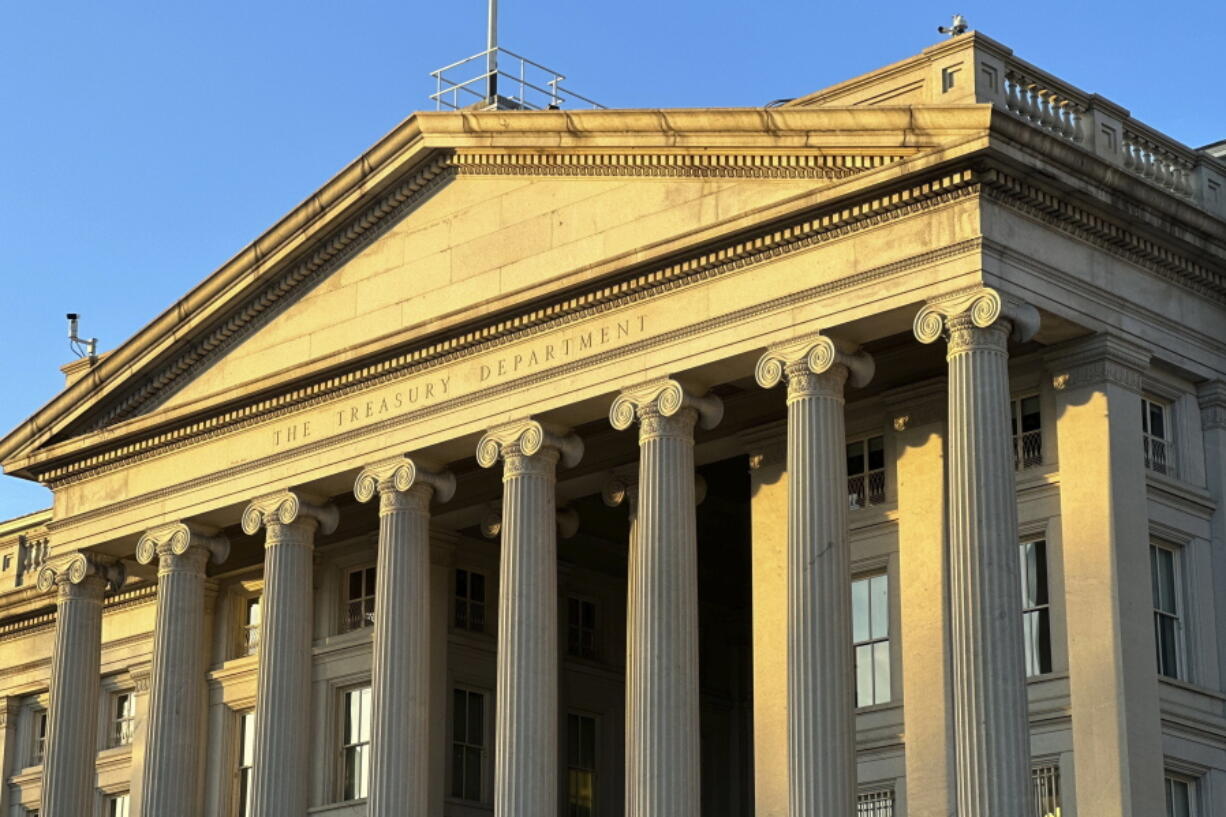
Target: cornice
1060,214
828,224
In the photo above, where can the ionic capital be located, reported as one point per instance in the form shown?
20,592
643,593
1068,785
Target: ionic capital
177,538
800,359
1097,360
978,308
527,438
567,520
286,508
1212,398
83,574
399,475
664,397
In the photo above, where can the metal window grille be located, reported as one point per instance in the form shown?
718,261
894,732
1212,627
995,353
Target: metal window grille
1156,438
580,766
875,803
1027,422
581,628
1168,625
123,718
870,606
360,598
246,762
1036,607
469,601
251,626
1045,781
467,745
355,744
866,472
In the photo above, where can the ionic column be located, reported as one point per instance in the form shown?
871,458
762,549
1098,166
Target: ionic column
526,723
283,707
76,664
177,683
991,723
662,703
821,667
400,665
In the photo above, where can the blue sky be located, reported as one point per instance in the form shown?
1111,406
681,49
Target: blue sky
145,143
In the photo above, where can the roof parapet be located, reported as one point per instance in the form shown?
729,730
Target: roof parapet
975,69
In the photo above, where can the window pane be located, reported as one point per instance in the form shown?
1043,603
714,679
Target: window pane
1031,418
572,740
855,458
370,581
879,603
1179,798
1165,636
355,584
457,770
881,672
477,589
459,709
864,675
476,719
859,610
472,774
876,453
476,617
587,745
1157,421
589,615
1165,598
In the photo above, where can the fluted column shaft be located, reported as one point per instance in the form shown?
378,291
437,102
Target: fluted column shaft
283,689
526,720
662,692
821,692
400,669
72,717
177,684
991,725
526,728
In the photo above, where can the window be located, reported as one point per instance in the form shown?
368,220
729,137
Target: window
469,601
250,644
117,805
38,735
1156,437
581,629
123,718
1168,629
246,762
875,803
1027,432
355,744
1180,796
871,634
866,472
1036,608
360,598
467,744
1045,780
580,766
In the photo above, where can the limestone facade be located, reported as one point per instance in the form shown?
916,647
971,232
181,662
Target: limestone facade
966,556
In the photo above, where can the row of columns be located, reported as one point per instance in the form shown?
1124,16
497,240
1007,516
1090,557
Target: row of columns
662,684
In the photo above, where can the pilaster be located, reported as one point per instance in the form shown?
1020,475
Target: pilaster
991,720
69,774
10,710
918,413
282,770
820,665
1104,527
662,692
400,664
526,718
1212,399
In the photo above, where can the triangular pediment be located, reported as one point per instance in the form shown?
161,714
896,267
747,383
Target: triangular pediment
453,218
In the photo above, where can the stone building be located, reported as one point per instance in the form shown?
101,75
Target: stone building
859,454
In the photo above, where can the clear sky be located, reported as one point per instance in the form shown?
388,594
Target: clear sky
144,143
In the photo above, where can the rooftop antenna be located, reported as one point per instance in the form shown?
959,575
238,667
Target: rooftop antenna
80,346
959,26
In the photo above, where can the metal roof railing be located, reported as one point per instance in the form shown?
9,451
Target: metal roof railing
533,86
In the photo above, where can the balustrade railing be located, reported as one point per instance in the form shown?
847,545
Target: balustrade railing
879,803
1047,107
864,490
1028,449
1159,455
1045,779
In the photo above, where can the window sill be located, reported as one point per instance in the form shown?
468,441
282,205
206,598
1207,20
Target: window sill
354,807
1188,686
1193,494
